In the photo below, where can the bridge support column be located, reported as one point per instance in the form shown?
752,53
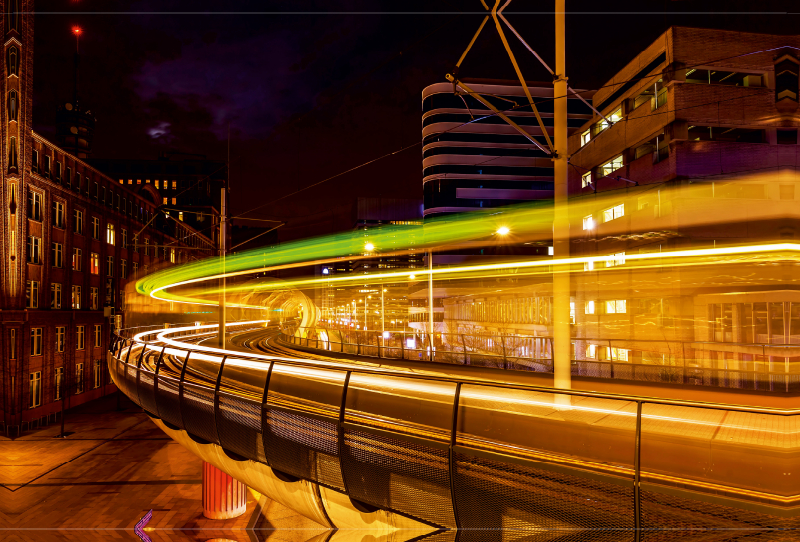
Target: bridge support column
224,497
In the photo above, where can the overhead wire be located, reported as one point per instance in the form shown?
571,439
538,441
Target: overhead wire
516,107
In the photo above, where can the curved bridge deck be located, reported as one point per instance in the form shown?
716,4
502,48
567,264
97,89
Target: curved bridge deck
478,451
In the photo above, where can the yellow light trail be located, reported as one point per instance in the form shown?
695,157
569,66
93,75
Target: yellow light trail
715,256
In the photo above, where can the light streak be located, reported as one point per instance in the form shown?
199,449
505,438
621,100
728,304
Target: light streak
768,251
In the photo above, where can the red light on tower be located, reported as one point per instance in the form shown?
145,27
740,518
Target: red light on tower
77,30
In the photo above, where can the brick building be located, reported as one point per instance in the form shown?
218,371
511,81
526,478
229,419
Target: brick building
70,239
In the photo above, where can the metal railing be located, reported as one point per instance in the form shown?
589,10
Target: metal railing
463,454
685,362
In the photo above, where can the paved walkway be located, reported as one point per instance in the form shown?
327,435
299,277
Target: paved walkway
114,467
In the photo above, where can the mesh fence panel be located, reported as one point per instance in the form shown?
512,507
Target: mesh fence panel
197,411
130,384
404,476
167,400
239,426
493,496
663,515
147,396
303,446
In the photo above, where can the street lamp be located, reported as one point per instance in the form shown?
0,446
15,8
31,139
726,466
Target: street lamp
369,247
503,230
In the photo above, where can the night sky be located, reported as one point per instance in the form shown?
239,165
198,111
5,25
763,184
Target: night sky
313,94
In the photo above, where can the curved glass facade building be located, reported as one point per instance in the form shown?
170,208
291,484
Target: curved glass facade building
473,159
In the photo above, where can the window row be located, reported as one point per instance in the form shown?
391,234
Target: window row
655,95
46,167
37,339
611,306
60,386
34,255
32,290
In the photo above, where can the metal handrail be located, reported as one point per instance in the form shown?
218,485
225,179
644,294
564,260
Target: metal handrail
185,351
687,372
527,387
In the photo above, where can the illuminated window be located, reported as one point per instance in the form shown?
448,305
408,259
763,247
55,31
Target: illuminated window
588,266
76,297
591,351
588,222
77,223
613,213
586,179
55,295
34,206
58,214
611,166
130,181
614,117
589,307
174,200
172,255
98,335
616,259
586,137
158,184
58,254
32,294
165,201
36,341
110,237
174,185
616,306
138,181
550,251
35,395
34,249
617,354
94,263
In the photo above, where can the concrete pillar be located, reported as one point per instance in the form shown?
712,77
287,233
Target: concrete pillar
224,497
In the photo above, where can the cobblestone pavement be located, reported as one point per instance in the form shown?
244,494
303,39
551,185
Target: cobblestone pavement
115,466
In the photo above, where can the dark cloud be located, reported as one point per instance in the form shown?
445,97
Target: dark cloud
309,96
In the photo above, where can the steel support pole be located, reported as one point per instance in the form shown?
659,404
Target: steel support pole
430,299
561,279
222,242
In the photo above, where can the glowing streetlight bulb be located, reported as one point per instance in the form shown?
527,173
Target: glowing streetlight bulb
411,277
503,230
